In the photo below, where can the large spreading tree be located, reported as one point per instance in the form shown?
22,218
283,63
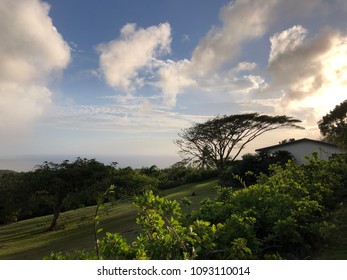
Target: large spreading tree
220,140
333,126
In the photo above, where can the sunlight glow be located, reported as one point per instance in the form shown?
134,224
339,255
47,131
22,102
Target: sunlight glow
334,80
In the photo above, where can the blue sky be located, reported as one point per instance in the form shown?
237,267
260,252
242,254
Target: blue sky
117,80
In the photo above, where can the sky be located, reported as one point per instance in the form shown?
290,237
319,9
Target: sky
118,80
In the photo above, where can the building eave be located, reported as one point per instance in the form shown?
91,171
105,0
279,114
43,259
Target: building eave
283,145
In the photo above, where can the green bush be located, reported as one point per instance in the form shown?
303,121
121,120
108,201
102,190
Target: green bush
289,208
245,172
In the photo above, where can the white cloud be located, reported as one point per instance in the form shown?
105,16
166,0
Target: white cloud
242,67
295,62
241,22
174,78
218,48
122,59
31,53
19,105
30,47
136,128
132,60
285,41
126,61
309,73
139,117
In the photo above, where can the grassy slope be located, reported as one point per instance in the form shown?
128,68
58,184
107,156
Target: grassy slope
26,239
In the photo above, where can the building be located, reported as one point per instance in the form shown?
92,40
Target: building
304,147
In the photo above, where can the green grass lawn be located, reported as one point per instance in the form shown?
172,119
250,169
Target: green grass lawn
27,239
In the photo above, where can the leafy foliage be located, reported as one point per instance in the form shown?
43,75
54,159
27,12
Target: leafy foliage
333,125
246,171
131,182
60,181
288,209
10,194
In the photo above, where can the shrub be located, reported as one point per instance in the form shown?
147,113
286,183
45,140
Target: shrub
245,172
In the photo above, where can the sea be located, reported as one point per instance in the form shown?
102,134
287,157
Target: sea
29,163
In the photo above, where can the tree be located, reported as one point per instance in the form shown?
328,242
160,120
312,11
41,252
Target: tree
287,141
211,144
57,182
10,203
333,126
131,182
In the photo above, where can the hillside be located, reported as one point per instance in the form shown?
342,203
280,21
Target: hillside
6,171
27,239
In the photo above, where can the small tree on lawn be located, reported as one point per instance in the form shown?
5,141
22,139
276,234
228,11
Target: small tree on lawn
57,182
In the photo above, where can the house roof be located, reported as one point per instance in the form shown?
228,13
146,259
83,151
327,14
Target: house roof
295,142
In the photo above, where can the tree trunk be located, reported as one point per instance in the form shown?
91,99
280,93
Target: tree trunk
56,213
54,220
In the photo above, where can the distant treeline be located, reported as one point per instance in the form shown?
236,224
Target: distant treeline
6,171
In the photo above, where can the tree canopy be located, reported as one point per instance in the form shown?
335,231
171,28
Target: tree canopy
59,181
220,140
333,126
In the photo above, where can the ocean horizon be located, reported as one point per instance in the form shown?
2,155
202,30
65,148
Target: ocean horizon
29,163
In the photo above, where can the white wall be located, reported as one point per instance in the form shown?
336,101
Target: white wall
301,149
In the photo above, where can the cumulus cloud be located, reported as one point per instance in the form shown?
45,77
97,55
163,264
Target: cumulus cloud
220,46
174,77
133,59
241,22
30,48
31,53
136,50
309,73
285,41
295,63
299,68
20,105
213,64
